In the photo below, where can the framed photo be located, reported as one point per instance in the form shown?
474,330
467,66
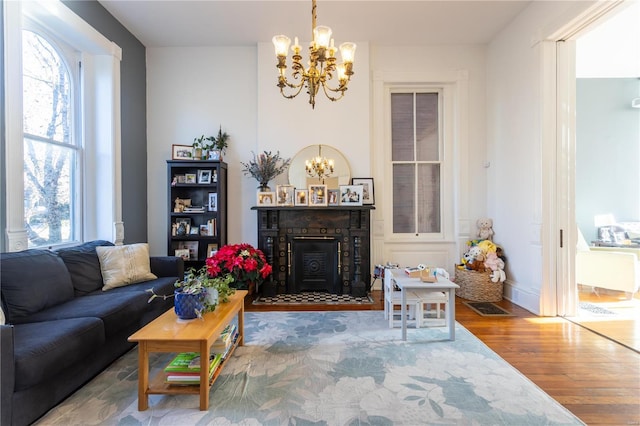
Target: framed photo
194,230
367,189
204,230
212,206
181,179
211,249
181,152
190,178
334,197
285,195
192,246
266,199
204,176
351,195
183,253
317,195
302,197
183,225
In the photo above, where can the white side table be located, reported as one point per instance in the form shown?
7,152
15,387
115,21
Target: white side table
405,283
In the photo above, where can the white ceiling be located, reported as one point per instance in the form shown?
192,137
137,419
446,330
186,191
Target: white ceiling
161,23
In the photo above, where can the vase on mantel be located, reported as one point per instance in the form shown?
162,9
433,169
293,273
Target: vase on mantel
264,187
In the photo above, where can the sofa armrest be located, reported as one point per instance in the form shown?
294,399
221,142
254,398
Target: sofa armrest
7,370
167,266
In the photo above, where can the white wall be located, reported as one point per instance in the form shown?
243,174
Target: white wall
192,90
515,195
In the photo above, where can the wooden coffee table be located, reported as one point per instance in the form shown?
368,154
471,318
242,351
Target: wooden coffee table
169,334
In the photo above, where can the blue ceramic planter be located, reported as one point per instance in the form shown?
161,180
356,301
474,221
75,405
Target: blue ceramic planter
186,304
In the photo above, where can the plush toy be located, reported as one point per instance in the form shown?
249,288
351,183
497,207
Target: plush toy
485,228
471,254
491,261
498,274
487,246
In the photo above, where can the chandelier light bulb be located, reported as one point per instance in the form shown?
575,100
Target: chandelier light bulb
281,44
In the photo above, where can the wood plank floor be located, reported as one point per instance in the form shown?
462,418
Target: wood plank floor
597,379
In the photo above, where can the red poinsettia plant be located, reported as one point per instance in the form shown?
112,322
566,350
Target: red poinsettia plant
244,262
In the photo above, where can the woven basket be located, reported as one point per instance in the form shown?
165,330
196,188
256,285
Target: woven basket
477,286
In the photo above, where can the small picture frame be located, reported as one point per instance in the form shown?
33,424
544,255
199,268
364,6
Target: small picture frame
194,230
181,179
183,253
351,195
212,205
204,177
212,249
183,225
181,152
317,195
334,197
266,199
285,195
302,197
368,197
204,230
190,178
192,246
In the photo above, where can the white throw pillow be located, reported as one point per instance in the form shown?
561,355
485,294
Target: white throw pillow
124,265
2,319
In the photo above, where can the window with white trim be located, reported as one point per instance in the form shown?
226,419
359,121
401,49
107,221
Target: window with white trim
416,159
52,150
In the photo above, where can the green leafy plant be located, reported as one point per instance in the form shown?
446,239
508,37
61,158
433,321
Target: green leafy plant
219,142
197,281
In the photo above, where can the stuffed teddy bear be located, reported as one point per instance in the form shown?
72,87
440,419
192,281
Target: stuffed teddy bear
485,228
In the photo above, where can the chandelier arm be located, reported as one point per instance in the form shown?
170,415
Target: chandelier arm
333,98
297,92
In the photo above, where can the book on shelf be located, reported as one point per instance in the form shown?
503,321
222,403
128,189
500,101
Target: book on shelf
189,362
193,209
191,376
225,339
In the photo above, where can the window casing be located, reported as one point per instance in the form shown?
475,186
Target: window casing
416,161
98,127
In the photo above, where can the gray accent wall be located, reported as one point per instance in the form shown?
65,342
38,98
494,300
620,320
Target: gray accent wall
3,142
134,116
607,151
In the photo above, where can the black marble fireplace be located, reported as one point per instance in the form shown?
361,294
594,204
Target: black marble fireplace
316,249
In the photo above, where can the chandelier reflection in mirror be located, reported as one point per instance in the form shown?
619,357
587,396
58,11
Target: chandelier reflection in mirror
319,167
322,64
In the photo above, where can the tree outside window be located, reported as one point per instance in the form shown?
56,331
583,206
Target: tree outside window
50,154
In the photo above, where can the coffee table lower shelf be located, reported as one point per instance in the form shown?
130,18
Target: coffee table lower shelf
158,385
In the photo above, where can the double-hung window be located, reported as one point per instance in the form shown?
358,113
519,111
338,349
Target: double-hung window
416,161
52,150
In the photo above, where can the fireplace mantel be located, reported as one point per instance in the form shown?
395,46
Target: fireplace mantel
316,248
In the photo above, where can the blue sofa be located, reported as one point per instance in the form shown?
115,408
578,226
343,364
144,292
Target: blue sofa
61,328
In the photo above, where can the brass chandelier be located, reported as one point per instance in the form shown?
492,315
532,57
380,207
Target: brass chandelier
322,64
319,167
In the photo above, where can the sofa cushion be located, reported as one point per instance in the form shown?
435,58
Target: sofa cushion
117,311
84,266
43,349
124,265
33,280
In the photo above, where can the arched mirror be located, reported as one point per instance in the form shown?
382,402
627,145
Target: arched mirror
299,178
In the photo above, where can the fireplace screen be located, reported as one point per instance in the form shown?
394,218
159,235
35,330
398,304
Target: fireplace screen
314,263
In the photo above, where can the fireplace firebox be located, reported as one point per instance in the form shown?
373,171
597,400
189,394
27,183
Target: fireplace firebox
316,249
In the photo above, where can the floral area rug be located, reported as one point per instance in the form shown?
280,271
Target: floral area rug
331,368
